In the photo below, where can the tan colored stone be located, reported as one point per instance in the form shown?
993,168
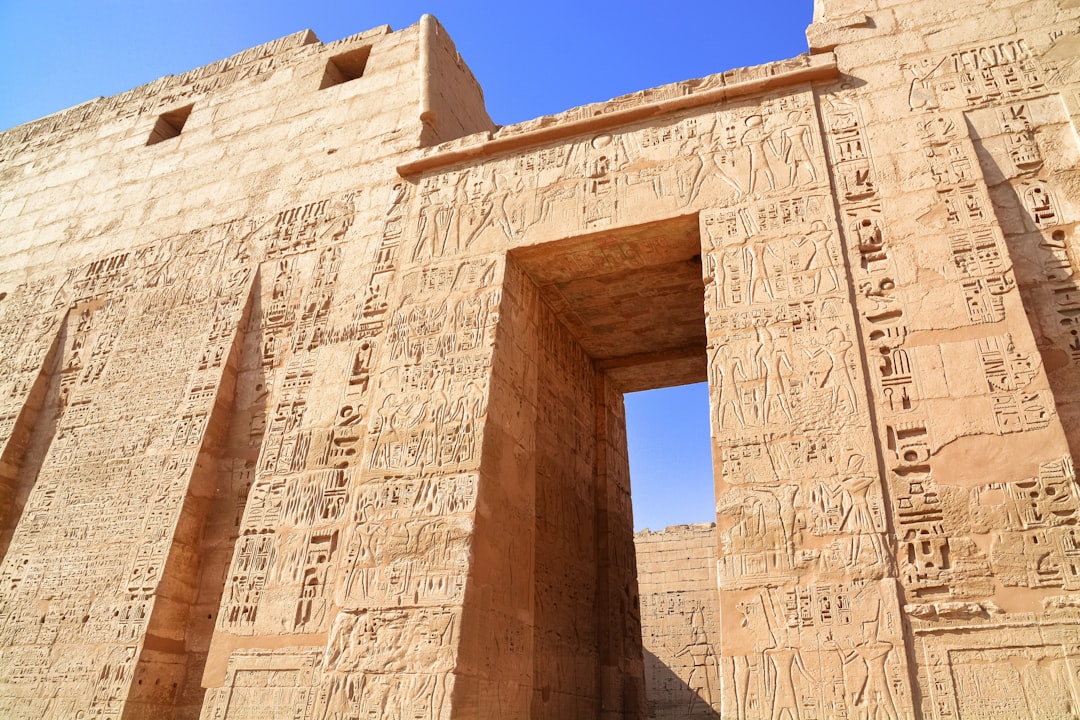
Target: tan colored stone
311,385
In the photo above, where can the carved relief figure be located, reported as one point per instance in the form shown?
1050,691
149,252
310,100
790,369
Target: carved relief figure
796,148
784,660
727,371
704,676
759,142
775,368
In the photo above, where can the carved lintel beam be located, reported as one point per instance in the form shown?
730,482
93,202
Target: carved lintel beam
550,129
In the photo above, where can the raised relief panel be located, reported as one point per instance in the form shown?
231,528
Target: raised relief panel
800,508
827,650
992,669
384,663
266,684
606,179
402,515
420,426
1030,151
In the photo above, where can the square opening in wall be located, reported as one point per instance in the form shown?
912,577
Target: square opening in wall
169,124
345,67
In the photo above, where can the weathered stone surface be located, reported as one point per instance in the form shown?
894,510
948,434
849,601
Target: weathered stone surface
680,621
311,385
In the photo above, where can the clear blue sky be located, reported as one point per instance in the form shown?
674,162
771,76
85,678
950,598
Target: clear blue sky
667,432
532,59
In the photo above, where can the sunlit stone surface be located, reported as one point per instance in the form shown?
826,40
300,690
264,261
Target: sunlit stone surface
311,385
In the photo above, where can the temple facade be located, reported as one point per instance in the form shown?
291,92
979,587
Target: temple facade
311,385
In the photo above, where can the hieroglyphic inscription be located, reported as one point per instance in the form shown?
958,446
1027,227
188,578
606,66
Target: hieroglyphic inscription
799,502
134,450
955,538
342,456
1029,201
298,502
31,326
977,75
923,546
980,261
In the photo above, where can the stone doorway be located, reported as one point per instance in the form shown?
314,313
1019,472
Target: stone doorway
669,441
584,320
632,298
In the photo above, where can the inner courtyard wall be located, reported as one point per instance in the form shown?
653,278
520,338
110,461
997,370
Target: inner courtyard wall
679,615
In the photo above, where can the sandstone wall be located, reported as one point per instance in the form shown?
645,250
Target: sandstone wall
676,571
187,385
310,399
555,615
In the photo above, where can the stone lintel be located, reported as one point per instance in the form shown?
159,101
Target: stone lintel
559,127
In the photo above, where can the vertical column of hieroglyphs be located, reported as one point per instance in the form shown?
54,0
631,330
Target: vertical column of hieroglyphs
215,502
981,484
302,398
394,642
84,566
175,559
353,546
878,274
283,455
1029,155
1029,512
30,332
808,601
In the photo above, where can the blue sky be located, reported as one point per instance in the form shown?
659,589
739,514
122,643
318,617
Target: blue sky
531,58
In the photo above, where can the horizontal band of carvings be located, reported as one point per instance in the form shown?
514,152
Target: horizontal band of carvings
815,68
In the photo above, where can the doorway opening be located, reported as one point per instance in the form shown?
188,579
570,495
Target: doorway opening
614,322
670,451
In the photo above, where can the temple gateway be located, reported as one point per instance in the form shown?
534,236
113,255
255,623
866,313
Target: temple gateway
311,385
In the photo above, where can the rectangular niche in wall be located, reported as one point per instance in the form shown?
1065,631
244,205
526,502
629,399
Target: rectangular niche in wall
345,67
169,124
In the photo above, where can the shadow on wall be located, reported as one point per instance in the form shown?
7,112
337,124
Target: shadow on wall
670,697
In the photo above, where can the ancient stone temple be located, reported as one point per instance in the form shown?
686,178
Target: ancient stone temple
311,385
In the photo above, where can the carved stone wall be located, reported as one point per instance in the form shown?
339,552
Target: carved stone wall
310,384
679,621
